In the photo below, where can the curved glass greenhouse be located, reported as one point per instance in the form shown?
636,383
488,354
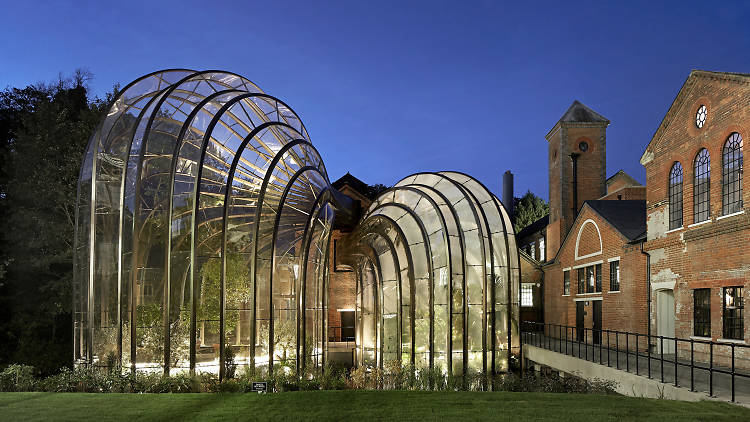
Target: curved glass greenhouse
203,227
437,276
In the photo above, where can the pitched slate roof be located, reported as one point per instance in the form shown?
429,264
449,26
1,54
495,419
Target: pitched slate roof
627,216
534,227
352,181
578,112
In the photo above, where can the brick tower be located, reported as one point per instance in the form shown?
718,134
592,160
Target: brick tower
577,168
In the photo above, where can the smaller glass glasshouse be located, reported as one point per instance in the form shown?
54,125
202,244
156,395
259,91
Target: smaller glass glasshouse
204,224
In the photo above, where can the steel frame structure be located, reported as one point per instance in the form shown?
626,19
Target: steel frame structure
447,248
203,222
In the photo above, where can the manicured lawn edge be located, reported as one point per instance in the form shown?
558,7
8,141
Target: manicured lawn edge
356,404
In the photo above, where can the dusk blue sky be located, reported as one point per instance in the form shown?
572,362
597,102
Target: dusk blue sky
387,89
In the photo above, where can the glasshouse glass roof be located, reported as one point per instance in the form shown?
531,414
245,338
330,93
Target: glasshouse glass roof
203,227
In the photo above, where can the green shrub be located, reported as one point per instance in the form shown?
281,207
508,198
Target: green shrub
209,383
393,376
358,378
18,378
334,377
532,382
229,385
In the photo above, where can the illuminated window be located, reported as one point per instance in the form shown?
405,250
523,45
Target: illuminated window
581,280
701,187
598,286
731,175
614,276
542,256
527,295
734,327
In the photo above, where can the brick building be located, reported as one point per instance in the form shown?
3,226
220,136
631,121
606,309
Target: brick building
587,252
342,294
665,259
697,225
677,243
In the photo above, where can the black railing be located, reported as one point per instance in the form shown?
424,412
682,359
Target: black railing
341,334
589,344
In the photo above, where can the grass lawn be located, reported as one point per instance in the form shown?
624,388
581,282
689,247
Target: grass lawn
355,405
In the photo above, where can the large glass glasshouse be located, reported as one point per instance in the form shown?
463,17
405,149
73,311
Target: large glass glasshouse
203,230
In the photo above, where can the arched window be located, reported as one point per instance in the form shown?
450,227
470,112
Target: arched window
675,196
731,175
702,187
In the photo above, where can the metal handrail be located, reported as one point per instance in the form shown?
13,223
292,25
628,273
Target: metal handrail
579,337
335,333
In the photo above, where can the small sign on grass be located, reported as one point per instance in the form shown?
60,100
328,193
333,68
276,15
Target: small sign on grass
260,387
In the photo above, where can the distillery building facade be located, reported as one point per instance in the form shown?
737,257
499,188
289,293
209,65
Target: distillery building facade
666,259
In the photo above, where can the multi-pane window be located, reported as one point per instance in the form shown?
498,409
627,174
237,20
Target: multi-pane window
598,287
702,312
542,256
566,282
590,279
527,295
581,280
675,196
733,318
731,175
532,250
614,276
701,187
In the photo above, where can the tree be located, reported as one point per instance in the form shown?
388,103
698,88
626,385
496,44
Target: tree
527,209
44,130
374,190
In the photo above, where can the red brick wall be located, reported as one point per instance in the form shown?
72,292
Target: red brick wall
564,140
589,242
592,179
618,181
556,160
342,289
714,254
532,273
631,192
623,311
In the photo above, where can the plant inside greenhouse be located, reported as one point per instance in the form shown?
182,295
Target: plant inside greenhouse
203,244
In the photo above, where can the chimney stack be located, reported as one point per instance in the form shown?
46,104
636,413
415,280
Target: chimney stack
508,192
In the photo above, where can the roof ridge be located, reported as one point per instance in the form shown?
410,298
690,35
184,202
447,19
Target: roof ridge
579,112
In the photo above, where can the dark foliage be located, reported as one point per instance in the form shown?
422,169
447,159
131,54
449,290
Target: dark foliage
44,130
393,377
527,209
374,190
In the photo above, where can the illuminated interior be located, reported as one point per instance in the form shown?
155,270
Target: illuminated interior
203,225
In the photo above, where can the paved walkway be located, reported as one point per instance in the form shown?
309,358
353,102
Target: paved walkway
661,369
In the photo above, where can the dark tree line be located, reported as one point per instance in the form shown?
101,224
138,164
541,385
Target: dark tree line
527,209
44,129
